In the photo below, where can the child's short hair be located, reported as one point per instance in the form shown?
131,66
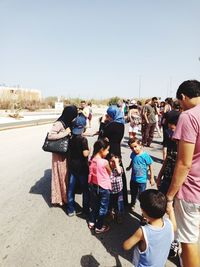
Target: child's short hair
134,140
153,202
115,156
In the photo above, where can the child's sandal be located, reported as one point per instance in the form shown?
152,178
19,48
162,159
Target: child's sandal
91,225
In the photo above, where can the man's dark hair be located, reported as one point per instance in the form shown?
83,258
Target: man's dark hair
190,88
153,202
154,98
169,100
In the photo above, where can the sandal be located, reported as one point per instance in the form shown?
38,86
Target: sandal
91,225
104,228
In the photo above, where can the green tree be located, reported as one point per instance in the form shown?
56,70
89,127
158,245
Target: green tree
114,100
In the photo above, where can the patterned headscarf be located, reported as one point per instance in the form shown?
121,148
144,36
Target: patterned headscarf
116,114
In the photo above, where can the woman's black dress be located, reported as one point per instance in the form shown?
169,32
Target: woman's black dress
114,131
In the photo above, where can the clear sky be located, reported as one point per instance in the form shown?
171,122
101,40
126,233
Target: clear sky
99,48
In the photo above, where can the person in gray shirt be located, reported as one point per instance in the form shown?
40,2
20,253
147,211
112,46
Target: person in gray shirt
149,122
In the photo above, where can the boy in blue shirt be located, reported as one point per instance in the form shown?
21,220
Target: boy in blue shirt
140,164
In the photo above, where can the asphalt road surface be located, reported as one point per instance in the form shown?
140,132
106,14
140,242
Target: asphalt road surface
32,233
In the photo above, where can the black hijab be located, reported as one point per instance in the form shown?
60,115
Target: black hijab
69,113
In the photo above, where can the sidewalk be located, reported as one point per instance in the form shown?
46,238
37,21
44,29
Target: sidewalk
7,123
35,118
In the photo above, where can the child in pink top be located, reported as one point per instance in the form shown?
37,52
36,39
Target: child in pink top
100,186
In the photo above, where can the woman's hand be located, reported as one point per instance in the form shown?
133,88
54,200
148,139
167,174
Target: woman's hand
152,182
68,131
105,118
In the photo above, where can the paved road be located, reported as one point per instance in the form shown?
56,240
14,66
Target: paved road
35,118
34,234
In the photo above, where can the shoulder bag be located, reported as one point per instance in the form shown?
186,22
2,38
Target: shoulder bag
56,146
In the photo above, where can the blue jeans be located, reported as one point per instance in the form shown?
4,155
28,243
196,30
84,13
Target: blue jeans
83,181
116,202
136,190
99,205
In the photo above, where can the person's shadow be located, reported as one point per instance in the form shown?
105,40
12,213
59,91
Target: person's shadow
113,240
89,261
43,187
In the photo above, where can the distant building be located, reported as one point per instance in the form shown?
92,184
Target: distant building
18,94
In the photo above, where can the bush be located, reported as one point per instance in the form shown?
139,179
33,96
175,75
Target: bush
114,100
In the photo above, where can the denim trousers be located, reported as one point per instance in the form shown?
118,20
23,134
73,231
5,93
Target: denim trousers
116,202
83,182
136,190
99,205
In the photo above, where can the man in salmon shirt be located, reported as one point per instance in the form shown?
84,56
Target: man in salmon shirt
185,186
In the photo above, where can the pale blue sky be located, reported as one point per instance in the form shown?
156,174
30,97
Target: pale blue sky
99,49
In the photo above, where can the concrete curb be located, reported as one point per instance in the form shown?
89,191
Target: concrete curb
16,125
32,122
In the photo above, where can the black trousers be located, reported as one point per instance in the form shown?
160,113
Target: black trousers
148,132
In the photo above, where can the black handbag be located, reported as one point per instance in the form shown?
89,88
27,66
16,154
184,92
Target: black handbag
56,146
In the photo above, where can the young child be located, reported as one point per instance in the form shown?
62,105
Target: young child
100,186
116,206
78,165
154,239
135,120
140,163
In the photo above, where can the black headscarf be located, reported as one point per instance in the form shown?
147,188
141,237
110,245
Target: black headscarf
69,113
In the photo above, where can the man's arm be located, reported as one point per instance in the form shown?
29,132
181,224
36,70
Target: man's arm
182,167
145,115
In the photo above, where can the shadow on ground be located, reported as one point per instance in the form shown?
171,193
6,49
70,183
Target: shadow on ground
89,261
113,241
43,187
155,159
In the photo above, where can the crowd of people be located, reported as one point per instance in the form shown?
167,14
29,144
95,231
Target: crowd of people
101,177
